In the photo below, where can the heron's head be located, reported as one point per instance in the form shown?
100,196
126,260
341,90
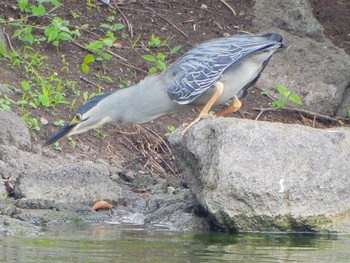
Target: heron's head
90,115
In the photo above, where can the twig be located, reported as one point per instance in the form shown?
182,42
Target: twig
229,7
159,137
165,19
89,81
9,41
306,112
130,28
130,133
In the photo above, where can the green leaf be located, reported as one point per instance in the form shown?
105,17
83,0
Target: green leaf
283,90
162,56
153,70
118,26
38,10
108,42
33,105
295,98
25,85
154,41
175,50
51,34
85,68
59,123
149,58
89,59
21,102
22,4
105,26
44,100
160,64
17,32
94,45
106,56
279,103
55,3
64,36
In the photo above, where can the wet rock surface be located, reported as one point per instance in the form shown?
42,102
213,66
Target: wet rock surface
45,188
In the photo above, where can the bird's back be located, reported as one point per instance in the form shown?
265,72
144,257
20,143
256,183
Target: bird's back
200,68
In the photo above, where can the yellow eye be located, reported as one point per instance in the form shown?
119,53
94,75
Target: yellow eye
76,119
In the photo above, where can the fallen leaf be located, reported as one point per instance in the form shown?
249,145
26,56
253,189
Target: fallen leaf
118,44
101,205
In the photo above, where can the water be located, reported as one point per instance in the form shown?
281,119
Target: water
125,243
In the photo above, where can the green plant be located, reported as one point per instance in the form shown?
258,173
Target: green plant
57,146
59,31
75,14
58,123
36,10
114,27
100,133
88,96
159,59
85,65
286,97
103,77
157,42
4,103
170,130
135,41
32,123
90,4
100,46
72,142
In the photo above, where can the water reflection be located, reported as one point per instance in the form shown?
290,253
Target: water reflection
125,243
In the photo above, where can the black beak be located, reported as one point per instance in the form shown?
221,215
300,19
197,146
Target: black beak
58,135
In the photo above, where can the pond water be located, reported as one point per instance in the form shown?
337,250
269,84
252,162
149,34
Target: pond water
126,243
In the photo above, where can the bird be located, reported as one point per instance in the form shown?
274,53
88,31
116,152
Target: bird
214,72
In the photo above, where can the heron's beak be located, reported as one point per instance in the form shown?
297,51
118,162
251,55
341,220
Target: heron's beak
65,131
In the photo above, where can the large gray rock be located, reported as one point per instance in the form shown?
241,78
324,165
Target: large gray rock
77,183
261,176
295,17
14,131
312,66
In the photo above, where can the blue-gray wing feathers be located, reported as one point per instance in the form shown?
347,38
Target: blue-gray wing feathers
200,68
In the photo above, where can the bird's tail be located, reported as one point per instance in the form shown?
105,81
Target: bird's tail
276,38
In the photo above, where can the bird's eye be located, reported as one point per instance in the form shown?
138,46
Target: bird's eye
78,117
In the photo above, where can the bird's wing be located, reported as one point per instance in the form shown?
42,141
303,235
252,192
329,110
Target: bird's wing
200,68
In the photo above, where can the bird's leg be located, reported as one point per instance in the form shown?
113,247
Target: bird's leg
205,111
235,106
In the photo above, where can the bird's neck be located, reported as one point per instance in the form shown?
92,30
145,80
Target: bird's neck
142,102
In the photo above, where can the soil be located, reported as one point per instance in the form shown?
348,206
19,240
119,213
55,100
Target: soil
185,23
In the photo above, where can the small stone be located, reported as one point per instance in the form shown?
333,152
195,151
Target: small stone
44,121
203,6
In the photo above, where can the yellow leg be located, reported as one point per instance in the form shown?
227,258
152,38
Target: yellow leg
236,105
205,111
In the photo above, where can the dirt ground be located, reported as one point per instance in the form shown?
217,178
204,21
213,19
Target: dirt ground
186,23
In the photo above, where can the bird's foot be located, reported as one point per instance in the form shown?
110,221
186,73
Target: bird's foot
236,105
200,117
